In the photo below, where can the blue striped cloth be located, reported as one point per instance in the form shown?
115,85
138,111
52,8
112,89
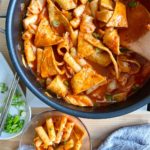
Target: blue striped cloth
128,138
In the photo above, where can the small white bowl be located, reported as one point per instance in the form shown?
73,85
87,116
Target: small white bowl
6,76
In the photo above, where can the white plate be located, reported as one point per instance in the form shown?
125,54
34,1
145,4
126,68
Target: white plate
6,76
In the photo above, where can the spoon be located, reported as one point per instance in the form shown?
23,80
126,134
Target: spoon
137,36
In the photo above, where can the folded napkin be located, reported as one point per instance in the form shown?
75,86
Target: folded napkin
128,138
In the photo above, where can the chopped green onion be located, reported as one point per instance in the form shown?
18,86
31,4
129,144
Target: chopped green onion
132,3
96,35
124,50
50,129
17,95
17,99
65,142
41,81
96,104
1,108
3,87
97,50
16,119
118,97
66,83
13,124
18,103
136,87
56,23
108,97
22,113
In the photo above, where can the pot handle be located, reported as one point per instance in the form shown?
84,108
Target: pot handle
2,31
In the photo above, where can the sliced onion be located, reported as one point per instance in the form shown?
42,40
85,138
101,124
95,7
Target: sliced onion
22,6
89,91
123,79
48,81
128,65
112,86
120,97
24,61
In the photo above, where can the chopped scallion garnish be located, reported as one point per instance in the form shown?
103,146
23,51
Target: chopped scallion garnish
97,50
18,103
123,49
3,87
56,23
13,124
1,108
135,88
17,100
96,35
66,83
22,113
96,104
132,3
108,97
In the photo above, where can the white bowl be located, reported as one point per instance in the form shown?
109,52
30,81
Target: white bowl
6,76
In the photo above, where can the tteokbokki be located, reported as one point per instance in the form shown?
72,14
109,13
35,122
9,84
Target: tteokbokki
73,47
